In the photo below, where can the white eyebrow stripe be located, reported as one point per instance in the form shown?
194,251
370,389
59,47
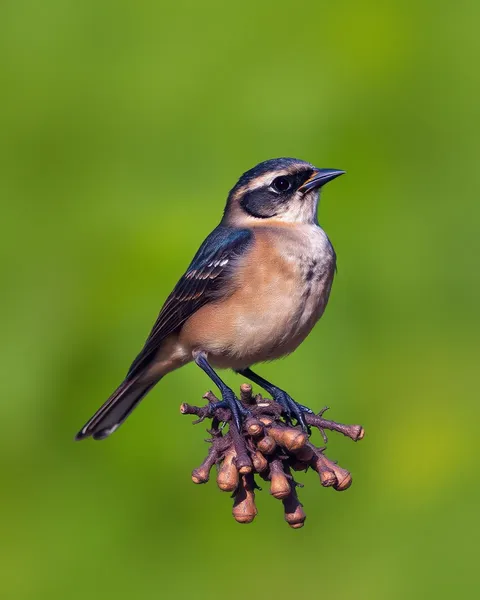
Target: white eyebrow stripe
263,180
266,178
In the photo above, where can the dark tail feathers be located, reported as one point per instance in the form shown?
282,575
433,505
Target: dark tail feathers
115,410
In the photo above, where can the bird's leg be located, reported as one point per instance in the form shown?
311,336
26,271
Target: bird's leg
290,407
228,396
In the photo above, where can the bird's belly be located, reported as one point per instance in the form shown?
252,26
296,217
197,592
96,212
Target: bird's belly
259,324
282,324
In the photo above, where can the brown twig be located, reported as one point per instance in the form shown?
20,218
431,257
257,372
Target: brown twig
354,432
269,447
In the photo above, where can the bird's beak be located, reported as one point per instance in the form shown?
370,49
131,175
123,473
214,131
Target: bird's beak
319,178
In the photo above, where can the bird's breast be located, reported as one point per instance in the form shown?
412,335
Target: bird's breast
280,290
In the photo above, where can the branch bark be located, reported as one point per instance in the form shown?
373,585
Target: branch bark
269,447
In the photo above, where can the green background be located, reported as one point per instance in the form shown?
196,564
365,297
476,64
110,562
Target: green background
123,126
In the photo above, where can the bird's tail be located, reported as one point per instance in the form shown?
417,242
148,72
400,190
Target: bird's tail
115,410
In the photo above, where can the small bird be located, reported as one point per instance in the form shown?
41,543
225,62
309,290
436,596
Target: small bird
252,293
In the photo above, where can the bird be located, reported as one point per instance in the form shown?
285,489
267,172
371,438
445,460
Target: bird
252,293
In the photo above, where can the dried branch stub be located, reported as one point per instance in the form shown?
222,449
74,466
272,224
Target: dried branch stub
267,447
244,509
228,475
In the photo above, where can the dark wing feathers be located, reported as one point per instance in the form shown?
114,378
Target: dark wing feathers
208,272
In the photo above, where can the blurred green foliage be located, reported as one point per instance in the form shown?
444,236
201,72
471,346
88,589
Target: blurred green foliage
123,126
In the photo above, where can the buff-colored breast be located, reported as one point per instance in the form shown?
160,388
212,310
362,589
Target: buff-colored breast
271,308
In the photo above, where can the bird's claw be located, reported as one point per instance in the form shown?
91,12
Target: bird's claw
213,406
293,409
239,412
305,409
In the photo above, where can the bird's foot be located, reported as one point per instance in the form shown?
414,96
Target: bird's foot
229,400
292,409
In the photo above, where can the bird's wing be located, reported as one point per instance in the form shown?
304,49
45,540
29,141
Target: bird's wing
208,273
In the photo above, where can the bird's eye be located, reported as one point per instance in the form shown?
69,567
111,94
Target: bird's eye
281,184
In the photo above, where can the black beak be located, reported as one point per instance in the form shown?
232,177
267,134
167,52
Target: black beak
319,178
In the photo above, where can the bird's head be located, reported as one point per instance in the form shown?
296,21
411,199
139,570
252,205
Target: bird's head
281,189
